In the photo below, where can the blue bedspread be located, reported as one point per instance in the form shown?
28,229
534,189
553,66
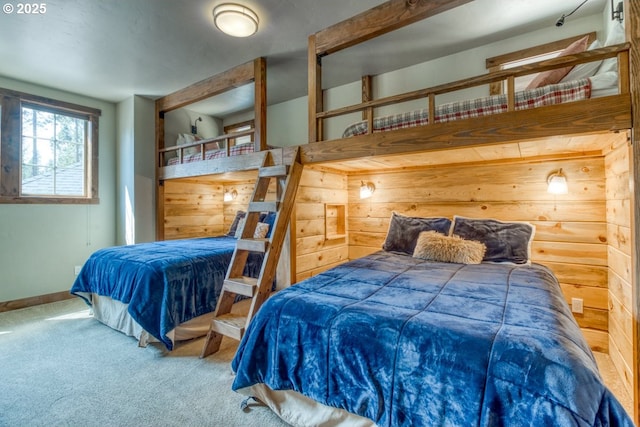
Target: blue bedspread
406,342
164,283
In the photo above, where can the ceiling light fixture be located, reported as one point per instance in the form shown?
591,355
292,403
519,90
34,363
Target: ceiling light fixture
235,20
560,21
557,183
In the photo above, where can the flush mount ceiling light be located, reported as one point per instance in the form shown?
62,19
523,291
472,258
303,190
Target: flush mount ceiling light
235,20
557,183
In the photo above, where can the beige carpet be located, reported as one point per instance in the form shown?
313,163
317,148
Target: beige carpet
66,378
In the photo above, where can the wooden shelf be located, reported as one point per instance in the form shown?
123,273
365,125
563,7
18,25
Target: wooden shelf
335,221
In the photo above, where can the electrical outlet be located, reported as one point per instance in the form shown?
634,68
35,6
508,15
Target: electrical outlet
577,305
76,269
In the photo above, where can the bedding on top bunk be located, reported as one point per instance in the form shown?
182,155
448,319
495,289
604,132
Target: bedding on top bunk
215,153
408,342
164,283
559,93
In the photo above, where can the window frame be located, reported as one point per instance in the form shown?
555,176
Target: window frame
235,127
11,103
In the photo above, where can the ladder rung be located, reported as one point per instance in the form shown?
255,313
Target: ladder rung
254,245
230,325
246,286
263,206
277,171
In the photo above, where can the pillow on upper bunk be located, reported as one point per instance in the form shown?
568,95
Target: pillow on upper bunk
506,242
588,69
187,138
234,224
614,36
434,246
554,76
404,230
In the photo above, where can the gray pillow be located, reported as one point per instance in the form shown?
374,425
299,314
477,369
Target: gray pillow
505,241
404,231
234,224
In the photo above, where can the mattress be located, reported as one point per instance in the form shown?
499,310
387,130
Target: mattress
163,284
405,342
605,84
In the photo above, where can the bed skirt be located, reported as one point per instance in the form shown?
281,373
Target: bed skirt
298,410
113,313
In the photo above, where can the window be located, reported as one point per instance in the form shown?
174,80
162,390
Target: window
240,127
48,150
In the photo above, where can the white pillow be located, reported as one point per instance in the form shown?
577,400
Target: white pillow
615,36
187,138
588,69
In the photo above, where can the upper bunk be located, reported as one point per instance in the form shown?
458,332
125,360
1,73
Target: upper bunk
583,106
192,155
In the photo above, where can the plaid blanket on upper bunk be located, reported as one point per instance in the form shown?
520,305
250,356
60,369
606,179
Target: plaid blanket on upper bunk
213,154
547,95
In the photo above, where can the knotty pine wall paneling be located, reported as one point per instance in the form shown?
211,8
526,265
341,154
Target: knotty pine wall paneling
314,252
618,197
192,208
571,236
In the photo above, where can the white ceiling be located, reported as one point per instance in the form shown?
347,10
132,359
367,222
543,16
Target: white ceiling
114,49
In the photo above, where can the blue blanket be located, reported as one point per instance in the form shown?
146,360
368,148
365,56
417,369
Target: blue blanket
407,342
164,283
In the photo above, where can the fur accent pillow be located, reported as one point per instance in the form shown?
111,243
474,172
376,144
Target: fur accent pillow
554,76
434,246
259,233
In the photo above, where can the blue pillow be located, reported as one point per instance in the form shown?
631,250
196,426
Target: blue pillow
505,241
404,231
270,219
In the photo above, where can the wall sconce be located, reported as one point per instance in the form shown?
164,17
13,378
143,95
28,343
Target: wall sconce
194,127
235,20
618,12
560,21
557,183
230,195
366,189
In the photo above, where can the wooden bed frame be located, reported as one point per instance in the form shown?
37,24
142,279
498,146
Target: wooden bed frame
616,113
250,72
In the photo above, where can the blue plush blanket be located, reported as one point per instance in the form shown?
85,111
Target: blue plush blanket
164,283
406,342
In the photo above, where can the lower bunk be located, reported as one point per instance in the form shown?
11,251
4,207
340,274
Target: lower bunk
394,340
165,291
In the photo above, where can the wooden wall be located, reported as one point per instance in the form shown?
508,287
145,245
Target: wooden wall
192,208
314,253
618,193
571,236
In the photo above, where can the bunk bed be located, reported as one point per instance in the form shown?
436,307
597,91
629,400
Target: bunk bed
203,156
167,290
374,341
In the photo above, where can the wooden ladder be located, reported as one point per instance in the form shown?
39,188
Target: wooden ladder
233,325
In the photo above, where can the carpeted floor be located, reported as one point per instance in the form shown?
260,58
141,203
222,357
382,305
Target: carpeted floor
60,367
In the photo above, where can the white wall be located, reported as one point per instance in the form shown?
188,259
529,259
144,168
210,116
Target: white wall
136,171
40,244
